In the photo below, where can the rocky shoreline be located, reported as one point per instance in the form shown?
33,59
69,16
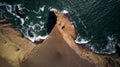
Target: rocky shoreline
57,50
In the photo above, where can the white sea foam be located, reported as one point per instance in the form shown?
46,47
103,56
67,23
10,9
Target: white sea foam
37,38
64,11
106,50
82,41
42,8
110,38
9,9
27,18
109,48
22,21
39,10
53,9
39,17
19,6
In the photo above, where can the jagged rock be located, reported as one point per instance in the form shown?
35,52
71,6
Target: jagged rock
19,12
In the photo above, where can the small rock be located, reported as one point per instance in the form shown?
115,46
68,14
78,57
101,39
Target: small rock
19,12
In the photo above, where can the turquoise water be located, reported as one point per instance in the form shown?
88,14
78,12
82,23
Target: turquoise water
97,22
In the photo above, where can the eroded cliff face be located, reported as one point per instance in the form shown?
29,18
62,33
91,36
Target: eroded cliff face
58,50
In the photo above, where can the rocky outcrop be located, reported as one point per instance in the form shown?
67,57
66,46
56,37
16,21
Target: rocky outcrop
58,50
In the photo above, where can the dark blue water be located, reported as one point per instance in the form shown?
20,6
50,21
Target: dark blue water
97,22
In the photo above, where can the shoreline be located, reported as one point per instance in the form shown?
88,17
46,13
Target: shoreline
59,48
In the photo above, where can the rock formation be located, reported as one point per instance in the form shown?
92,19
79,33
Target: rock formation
58,50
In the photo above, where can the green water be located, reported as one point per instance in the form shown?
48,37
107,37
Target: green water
97,22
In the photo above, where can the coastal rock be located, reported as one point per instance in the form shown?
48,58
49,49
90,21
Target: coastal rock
19,12
57,50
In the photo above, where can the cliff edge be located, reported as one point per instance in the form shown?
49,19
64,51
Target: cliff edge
57,50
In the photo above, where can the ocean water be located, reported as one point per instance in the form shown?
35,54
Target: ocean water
96,21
